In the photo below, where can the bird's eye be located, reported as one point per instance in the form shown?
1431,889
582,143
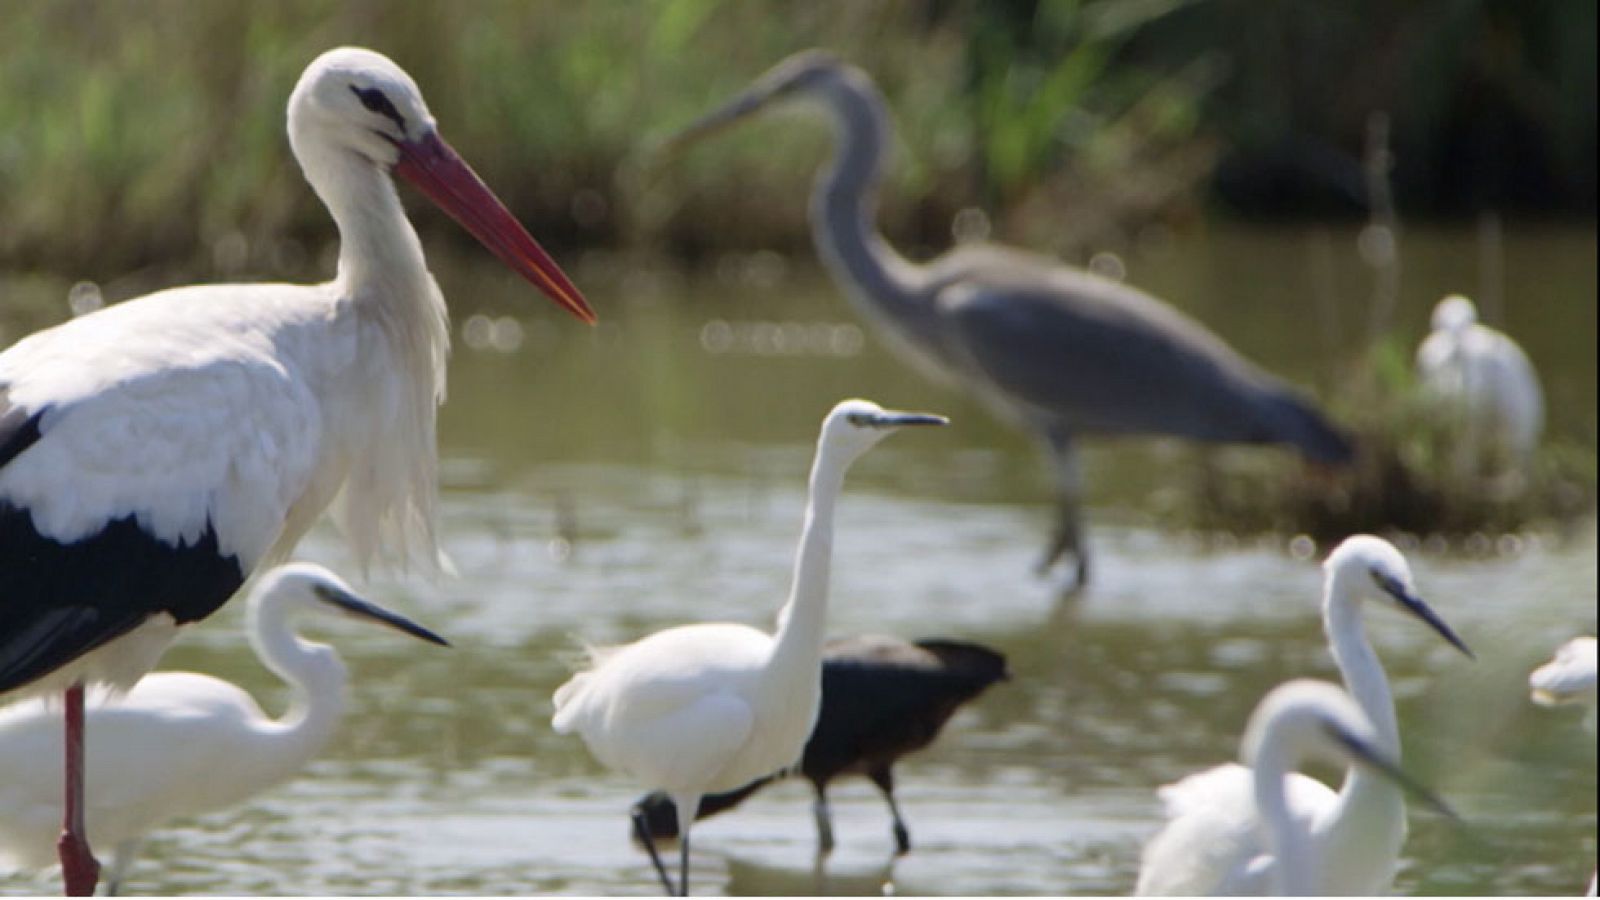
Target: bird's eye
858,419
375,101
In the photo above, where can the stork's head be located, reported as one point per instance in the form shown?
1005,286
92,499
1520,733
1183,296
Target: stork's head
362,101
1312,720
1454,313
810,75
355,101
855,426
1365,567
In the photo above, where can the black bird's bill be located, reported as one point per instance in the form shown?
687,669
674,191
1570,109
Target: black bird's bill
890,419
356,606
1368,756
1413,604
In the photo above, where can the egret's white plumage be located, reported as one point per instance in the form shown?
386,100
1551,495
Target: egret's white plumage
1211,842
1569,677
1298,721
182,743
1482,377
705,708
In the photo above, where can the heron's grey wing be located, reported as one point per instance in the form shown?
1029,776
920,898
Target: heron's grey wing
1099,357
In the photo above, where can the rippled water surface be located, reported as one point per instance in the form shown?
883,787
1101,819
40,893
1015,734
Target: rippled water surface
601,485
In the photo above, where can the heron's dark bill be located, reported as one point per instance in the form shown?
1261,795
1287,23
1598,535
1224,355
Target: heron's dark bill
356,606
745,104
440,173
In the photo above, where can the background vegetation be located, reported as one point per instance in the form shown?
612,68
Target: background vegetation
134,134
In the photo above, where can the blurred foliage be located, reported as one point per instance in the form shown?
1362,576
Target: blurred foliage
152,133
1407,476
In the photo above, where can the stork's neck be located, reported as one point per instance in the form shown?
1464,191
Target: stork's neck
316,677
844,207
376,242
797,645
390,497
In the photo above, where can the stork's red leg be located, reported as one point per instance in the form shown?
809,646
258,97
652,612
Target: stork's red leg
79,869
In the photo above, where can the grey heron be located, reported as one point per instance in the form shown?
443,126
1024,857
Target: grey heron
1056,350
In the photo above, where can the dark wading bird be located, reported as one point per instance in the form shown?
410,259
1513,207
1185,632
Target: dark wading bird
155,453
882,699
1054,349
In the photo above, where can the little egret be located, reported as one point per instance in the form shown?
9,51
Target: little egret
1483,380
882,699
154,453
1053,349
1362,827
183,743
1298,721
701,709
1569,679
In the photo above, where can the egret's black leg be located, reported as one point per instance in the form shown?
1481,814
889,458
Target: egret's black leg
824,817
683,864
643,831
883,777
688,807
1068,535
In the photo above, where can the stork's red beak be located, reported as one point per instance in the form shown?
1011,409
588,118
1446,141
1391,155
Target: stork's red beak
441,173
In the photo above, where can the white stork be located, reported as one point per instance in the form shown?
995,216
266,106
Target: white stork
155,453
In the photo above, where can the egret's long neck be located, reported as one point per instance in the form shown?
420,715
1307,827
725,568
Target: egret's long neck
1363,674
844,207
317,680
802,623
1366,827
1285,839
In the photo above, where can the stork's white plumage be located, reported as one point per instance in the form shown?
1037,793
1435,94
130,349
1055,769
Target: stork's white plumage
1481,377
153,454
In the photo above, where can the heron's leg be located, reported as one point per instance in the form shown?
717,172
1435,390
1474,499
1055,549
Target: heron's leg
824,817
1068,537
883,777
79,869
643,831
688,807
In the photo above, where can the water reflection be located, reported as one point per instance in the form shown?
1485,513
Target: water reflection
605,483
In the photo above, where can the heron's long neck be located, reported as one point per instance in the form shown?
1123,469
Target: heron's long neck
844,209
316,678
1285,840
797,645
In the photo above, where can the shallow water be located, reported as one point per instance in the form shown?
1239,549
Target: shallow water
601,485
